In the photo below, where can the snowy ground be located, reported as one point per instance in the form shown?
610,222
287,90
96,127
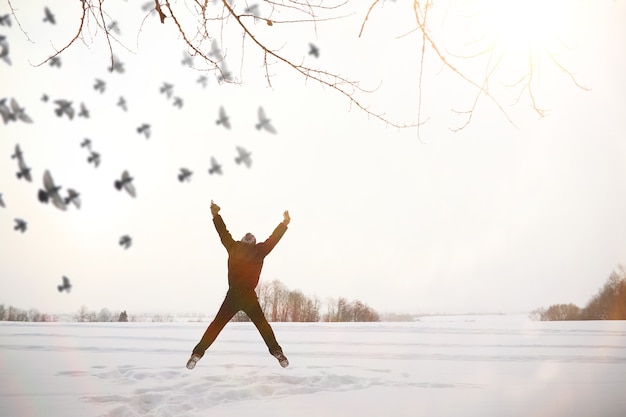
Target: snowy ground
439,366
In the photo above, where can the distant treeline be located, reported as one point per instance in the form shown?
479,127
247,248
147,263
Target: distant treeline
83,315
282,304
279,304
609,303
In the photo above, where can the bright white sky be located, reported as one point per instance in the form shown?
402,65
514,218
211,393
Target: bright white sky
494,217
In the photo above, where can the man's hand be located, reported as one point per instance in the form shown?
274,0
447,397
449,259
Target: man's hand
214,208
286,218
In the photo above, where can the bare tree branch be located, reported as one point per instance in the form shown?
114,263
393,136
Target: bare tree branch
18,21
526,83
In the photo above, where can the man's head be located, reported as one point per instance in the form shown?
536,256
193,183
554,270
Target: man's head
249,239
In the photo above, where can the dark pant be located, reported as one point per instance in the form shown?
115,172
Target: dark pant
232,304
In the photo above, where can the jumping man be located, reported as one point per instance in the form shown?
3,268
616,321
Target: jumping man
245,261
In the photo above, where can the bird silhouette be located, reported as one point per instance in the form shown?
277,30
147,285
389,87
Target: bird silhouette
122,103
187,59
224,74
243,157
20,225
184,175
202,80
126,182
5,111
5,20
117,66
72,197
314,50
215,51
17,154
125,241
215,167
253,10
48,16
264,122
178,102
145,129
4,50
2,203
55,61
167,89
86,143
94,157
66,286
65,107
84,112
23,170
223,120
19,112
51,192
114,27
99,85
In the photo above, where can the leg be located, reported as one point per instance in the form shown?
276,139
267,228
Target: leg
224,314
253,309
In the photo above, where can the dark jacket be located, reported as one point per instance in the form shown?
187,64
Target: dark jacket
244,260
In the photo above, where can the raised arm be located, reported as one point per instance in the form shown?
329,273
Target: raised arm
267,246
220,226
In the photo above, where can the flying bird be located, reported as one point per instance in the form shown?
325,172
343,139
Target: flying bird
215,51
84,112
65,286
86,143
4,50
202,80
2,204
184,175
99,85
264,122
178,102
166,89
145,129
20,225
122,103
48,16
51,192
314,50
117,66
24,171
126,182
44,98
244,156
55,61
19,112
253,10
94,157
65,107
72,197
5,111
224,120
125,241
114,27
224,74
187,59
215,167
18,152
5,20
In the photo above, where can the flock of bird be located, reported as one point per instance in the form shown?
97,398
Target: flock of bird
12,112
